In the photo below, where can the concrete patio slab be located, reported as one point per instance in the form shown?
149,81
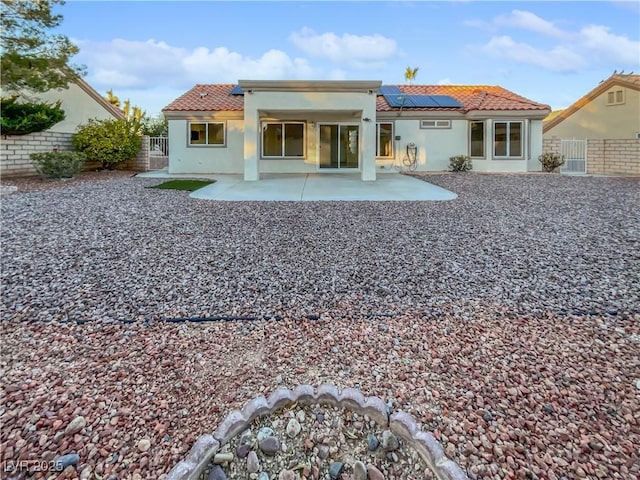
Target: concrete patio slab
314,187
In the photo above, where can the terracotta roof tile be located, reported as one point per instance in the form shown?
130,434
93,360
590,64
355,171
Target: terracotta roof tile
472,97
207,98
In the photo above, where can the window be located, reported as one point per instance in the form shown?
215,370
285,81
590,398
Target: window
435,123
507,139
384,140
477,139
206,133
615,97
283,139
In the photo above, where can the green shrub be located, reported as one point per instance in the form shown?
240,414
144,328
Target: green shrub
460,163
550,161
58,164
109,142
23,118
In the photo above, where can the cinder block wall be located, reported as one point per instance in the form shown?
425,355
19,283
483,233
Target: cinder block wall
613,157
606,157
15,151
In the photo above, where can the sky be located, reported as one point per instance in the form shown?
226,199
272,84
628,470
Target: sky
552,52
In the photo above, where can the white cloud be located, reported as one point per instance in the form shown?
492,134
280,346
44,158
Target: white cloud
558,59
592,45
444,81
359,51
135,64
529,21
608,46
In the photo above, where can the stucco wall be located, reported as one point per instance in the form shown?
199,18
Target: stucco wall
597,119
78,108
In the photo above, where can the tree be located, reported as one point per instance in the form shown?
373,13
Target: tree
410,74
155,127
19,118
113,99
33,58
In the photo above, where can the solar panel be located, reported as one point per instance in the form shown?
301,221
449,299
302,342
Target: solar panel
237,90
421,101
446,101
389,90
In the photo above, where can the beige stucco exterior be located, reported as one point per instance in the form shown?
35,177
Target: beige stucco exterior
347,103
80,103
595,117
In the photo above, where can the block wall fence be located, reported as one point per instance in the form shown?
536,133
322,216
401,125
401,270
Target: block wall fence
15,151
606,156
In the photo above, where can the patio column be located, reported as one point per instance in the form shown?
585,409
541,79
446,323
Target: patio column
368,144
251,165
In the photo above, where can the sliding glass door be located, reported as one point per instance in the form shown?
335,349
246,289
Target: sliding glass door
338,146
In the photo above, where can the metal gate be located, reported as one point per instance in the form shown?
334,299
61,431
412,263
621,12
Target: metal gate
575,156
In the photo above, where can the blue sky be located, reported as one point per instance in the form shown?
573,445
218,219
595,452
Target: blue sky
550,52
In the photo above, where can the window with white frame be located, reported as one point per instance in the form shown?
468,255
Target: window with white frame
282,139
384,140
476,136
507,139
435,123
206,133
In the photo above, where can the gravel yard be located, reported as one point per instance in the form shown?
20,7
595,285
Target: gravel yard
506,321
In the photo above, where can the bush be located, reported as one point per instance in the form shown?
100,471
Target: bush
23,118
58,164
460,163
551,161
109,142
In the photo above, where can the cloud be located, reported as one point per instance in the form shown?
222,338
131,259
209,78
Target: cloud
366,51
591,45
608,46
529,21
444,81
558,59
156,62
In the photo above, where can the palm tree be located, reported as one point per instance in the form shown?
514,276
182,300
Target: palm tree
410,74
113,99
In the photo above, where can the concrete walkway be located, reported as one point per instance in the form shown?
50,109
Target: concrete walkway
313,187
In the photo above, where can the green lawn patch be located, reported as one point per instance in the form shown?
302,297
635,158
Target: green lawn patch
188,185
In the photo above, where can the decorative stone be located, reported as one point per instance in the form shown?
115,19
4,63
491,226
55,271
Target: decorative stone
269,445
335,469
64,461
287,475
359,471
242,451
293,428
323,451
389,441
372,442
263,476
253,464
373,473
75,426
217,473
220,458
144,445
265,432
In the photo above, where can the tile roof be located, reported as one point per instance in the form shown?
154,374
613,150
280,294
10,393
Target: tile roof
207,98
473,97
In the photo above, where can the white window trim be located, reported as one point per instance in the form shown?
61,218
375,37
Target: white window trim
393,128
484,139
439,124
263,126
522,138
203,145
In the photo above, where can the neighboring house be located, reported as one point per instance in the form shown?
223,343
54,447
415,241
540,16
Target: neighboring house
609,111
268,126
80,103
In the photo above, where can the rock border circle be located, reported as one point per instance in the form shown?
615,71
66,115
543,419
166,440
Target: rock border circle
237,421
